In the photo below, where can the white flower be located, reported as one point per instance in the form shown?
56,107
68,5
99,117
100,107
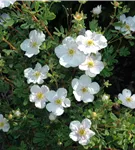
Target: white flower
97,10
81,132
31,45
105,96
92,65
58,101
127,99
38,95
6,3
52,117
84,89
69,54
36,75
128,25
4,125
91,42
3,18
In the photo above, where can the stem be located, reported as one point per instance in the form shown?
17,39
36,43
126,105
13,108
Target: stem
51,5
111,21
43,25
115,40
11,46
79,7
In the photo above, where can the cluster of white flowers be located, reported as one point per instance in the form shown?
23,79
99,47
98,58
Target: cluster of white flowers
37,74
127,98
81,132
57,101
83,52
128,25
6,3
31,45
4,125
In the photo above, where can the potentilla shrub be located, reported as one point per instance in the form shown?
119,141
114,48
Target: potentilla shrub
55,65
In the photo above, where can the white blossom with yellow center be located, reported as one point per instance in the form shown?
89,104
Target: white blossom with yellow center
6,3
68,53
92,65
38,95
127,98
31,46
81,131
36,75
84,89
57,101
127,25
4,125
91,42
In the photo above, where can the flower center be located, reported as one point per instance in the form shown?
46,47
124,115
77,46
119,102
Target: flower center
1,124
90,42
40,96
79,17
84,90
127,27
71,52
82,132
128,99
37,74
34,44
58,101
90,64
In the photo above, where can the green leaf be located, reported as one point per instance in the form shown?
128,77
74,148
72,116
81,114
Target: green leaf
124,51
93,25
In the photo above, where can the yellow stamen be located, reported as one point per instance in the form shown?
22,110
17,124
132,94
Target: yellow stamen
128,99
58,101
37,74
90,42
40,96
84,90
127,27
82,132
1,124
34,44
90,64
71,52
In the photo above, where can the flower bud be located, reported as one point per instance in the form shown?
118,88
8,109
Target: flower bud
78,16
116,4
52,117
107,84
105,97
82,2
10,116
97,10
94,115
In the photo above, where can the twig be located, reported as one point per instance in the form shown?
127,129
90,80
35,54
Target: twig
11,46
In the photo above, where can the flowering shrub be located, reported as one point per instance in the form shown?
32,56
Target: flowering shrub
69,62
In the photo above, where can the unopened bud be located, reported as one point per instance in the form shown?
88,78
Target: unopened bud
116,4
10,116
83,1
78,16
94,115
